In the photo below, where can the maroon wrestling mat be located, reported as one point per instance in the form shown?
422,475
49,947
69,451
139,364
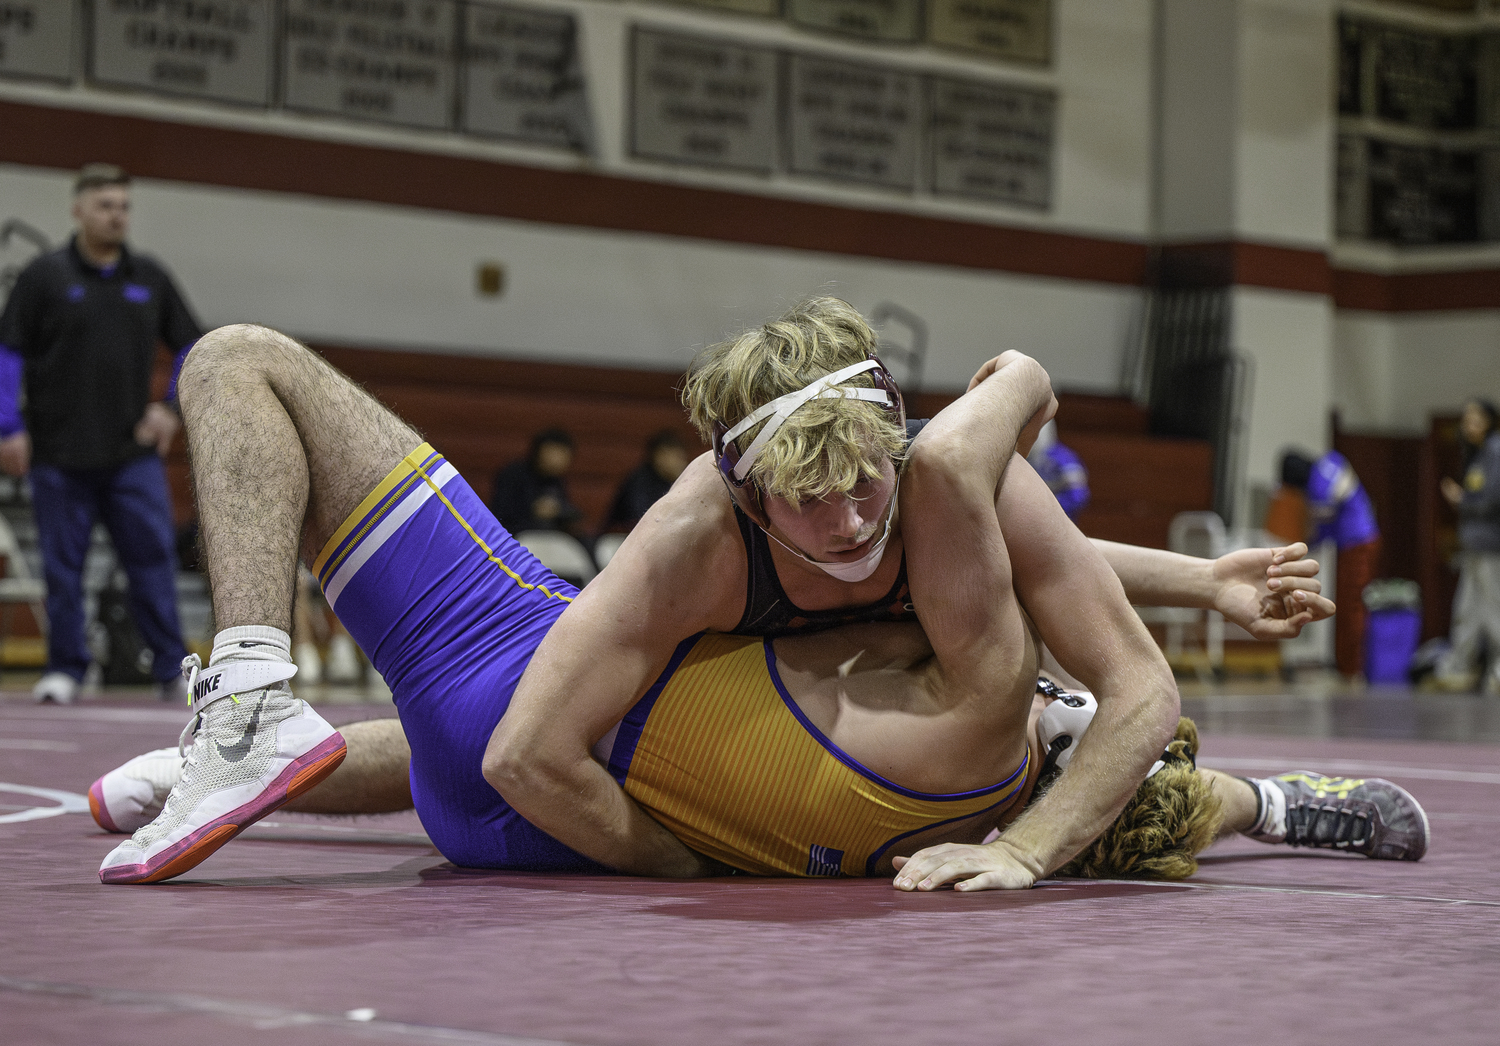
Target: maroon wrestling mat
323,931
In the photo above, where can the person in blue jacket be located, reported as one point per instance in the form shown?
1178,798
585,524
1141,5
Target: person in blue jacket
1061,470
1338,509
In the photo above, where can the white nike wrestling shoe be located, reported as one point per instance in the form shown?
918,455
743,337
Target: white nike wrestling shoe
256,747
130,796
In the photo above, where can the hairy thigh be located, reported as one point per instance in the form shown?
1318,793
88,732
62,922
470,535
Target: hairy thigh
351,440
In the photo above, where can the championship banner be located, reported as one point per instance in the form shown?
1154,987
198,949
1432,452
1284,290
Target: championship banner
217,49
386,60
36,38
702,102
522,77
853,122
991,142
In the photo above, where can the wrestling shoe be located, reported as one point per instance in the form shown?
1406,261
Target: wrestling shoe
130,796
256,747
57,687
1368,815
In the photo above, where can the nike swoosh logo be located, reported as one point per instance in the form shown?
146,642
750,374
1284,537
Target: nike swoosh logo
252,642
241,748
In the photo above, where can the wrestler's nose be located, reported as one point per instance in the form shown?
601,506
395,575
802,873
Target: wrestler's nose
847,520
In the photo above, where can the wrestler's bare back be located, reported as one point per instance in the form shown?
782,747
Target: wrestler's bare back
876,692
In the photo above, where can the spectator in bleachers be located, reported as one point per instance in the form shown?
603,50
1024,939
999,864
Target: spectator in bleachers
1476,604
81,330
1339,509
1061,470
665,459
532,494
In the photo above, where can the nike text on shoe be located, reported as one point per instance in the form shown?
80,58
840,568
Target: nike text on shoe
1368,815
130,796
256,747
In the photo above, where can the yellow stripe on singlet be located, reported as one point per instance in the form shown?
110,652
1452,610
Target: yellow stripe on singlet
365,517
391,491
725,764
489,553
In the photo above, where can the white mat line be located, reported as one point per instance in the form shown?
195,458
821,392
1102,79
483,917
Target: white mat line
28,744
265,1017
153,713
1310,891
67,803
1352,766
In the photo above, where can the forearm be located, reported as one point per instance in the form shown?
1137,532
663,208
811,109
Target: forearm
1137,716
1153,577
978,431
582,806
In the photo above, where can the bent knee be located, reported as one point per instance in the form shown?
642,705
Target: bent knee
229,351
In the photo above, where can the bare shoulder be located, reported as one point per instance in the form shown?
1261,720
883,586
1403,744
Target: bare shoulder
685,560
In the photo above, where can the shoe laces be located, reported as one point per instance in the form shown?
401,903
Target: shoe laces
1340,824
191,666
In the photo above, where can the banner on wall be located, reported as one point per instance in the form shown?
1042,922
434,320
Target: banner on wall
385,60
991,142
853,122
522,77
36,38
896,20
771,8
1422,194
702,102
215,49
1011,30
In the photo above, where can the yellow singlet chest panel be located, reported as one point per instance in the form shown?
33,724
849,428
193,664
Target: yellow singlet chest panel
726,762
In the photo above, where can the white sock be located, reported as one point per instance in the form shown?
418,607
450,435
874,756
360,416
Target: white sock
251,643
1270,821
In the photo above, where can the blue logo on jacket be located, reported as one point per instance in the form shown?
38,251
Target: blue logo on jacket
76,292
136,293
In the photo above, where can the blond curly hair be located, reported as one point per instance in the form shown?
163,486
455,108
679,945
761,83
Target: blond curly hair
1173,816
828,445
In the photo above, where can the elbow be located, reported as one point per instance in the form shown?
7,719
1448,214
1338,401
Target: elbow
1166,700
516,766
943,464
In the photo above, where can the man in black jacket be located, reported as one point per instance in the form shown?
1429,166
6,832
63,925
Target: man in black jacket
82,326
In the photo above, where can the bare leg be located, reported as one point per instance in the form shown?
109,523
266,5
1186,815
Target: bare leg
1239,801
283,448
374,777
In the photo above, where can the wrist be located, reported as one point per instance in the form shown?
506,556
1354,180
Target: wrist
1023,851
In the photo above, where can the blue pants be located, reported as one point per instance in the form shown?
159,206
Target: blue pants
133,503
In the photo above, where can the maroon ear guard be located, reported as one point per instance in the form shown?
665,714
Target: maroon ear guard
727,455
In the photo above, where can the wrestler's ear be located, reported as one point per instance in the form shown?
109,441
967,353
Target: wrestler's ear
752,502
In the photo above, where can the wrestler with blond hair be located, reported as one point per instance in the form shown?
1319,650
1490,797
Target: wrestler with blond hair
280,440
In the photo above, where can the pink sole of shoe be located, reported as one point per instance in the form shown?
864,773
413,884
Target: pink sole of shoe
303,773
99,810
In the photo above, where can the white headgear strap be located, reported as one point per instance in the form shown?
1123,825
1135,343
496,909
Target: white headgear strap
783,407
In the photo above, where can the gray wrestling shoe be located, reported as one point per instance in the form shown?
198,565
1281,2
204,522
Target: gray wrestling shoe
1369,815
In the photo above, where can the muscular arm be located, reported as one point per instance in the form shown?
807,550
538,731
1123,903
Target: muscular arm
1271,592
1081,611
603,652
